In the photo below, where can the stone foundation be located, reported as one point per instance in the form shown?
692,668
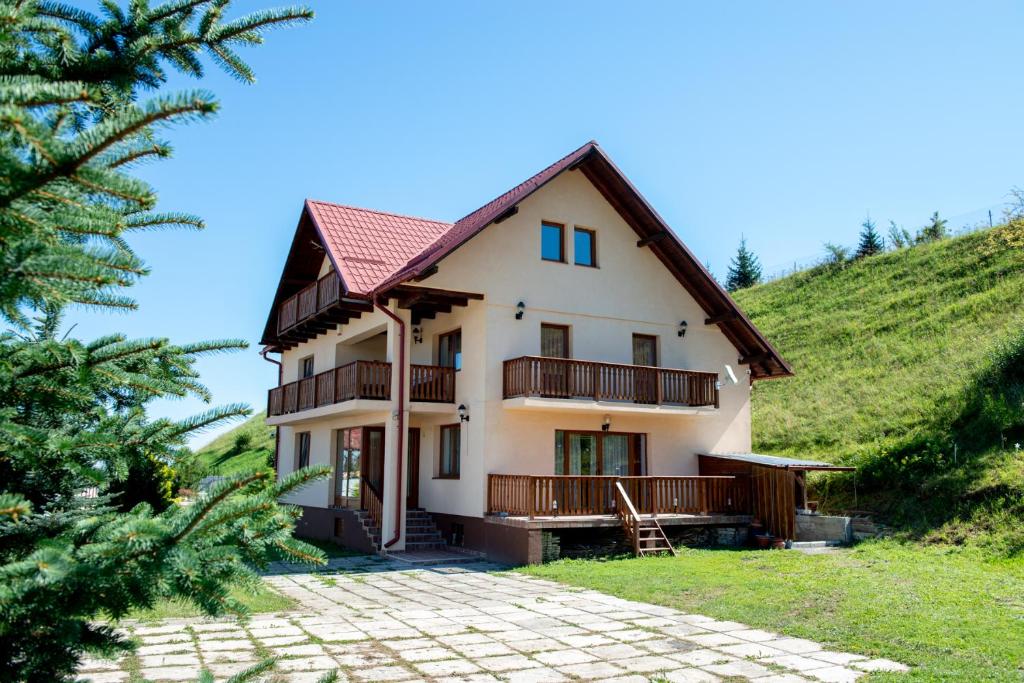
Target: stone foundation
823,528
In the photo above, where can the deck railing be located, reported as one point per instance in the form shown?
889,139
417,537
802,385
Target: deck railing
361,379
309,301
581,379
566,495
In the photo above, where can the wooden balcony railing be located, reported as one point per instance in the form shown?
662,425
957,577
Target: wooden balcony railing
549,495
432,383
309,301
569,378
365,379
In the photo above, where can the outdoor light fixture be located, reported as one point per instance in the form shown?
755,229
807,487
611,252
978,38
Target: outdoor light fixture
417,335
554,506
682,329
606,423
463,413
520,309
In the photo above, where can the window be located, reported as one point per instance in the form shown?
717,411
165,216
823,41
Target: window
450,444
449,350
599,453
306,367
348,467
584,247
552,242
302,450
554,341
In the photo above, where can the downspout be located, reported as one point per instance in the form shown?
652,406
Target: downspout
277,430
400,441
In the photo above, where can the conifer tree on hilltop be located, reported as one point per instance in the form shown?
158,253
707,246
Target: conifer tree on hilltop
744,269
935,230
73,412
870,241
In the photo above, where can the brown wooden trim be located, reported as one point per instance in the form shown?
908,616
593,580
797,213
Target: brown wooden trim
561,239
398,290
652,238
593,247
508,213
719,318
412,498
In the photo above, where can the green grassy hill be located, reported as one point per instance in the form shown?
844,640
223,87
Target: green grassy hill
247,447
909,365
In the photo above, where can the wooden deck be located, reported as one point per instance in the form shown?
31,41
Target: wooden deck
532,496
613,521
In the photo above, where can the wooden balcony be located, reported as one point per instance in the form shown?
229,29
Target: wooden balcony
528,495
534,376
309,301
361,379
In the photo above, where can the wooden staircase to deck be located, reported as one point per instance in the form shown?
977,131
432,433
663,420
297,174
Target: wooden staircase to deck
647,536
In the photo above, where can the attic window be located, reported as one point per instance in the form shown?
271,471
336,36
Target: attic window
584,247
552,242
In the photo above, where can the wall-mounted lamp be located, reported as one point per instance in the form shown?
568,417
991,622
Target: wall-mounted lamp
463,413
606,423
682,329
417,335
520,309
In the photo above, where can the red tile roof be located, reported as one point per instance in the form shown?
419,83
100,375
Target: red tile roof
367,246
374,250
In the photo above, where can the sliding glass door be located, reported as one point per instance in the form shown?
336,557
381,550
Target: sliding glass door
599,453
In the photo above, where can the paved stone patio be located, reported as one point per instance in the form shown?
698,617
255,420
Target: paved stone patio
378,620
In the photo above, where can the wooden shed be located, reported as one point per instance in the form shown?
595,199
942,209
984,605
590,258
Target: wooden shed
778,486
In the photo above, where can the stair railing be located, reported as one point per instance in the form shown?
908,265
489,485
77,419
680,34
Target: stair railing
628,515
373,504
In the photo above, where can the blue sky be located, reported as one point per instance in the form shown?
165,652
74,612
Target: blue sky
784,122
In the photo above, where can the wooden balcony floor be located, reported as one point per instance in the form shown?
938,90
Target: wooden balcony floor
596,521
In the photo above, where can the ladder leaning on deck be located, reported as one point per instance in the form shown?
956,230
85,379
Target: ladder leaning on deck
647,536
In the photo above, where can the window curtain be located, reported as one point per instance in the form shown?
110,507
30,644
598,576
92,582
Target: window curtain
615,452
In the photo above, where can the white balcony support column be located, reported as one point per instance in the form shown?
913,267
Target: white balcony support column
392,456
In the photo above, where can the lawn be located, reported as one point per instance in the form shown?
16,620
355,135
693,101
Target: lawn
258,600
952,614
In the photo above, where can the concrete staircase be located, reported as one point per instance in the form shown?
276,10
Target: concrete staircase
372,530
420,532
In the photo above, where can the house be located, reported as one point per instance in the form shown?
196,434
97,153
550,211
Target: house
556,359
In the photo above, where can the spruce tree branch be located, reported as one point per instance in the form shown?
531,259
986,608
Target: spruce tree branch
159,112
209,504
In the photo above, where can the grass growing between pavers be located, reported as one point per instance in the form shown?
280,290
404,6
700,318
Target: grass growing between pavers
259,599
952,614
